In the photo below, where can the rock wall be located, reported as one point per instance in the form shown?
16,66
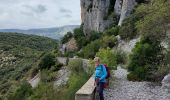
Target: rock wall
94,14
123,8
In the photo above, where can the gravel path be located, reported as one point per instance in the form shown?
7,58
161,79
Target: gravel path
122,89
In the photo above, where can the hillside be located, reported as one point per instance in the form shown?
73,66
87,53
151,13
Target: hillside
54,33
19,55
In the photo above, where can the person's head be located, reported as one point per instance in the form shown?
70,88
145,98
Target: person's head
97,61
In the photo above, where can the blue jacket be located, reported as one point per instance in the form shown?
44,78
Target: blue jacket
101,72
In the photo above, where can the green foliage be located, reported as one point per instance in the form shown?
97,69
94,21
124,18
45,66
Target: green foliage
23,53
91,68
76,65
44,91
47,61
155,19
90,50
74,84
112,31
66,37
107,57
70,54
148,54
23,92
145,59
121,57
48,75
127,30
13,40
109,41
80,37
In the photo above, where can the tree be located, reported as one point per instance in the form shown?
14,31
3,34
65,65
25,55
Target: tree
47,61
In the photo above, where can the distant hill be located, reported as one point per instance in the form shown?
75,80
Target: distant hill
19,56
54,33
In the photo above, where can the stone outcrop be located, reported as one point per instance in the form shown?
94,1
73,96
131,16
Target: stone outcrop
71,45
94,14
166,82
123,8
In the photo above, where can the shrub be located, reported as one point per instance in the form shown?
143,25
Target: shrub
74,84
90,50
76,65
80,37
23,92
108,41
127,30
112,31
107,57
48,76
91,68
145,59
66,37
69,54
44,91
47,61
93,36
121,57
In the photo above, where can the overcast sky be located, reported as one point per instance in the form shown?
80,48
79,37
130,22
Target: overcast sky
26,14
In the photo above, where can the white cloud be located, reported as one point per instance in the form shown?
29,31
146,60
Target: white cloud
25,14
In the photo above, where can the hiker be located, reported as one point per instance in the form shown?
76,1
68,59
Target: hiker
100,76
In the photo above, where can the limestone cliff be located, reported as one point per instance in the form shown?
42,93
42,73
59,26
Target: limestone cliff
124,8
94,14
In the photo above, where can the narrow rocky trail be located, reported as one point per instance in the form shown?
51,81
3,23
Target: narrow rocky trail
122,89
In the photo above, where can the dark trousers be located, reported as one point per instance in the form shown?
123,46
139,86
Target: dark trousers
100,89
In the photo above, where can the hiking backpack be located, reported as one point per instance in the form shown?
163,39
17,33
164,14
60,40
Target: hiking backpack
108,71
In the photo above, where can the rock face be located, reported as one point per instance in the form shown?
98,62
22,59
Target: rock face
71,45
166,82
126,8
94,14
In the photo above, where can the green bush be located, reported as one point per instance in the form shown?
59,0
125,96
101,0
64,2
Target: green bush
44,91
121,57
66,37
128,31
74,84
145,59
23,92
90,50
108,41
76,65
47,61
91,68
80,37
108,57
93,36
112,31
48,76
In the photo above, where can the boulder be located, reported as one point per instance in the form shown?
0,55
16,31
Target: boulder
166,82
